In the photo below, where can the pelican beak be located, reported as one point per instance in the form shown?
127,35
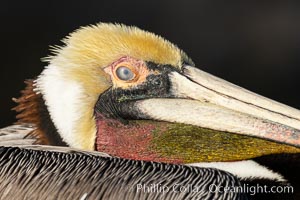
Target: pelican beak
207,101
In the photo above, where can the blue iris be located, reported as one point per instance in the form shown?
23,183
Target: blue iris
124,73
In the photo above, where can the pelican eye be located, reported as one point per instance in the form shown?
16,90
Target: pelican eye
124,73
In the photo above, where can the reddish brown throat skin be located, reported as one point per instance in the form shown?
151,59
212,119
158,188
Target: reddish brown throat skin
131,141
178,143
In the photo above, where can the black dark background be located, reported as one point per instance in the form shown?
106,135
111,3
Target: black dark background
255,44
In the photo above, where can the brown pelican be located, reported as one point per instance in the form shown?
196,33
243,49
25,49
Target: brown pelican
156,118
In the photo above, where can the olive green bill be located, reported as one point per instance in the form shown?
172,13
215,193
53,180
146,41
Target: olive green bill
209,102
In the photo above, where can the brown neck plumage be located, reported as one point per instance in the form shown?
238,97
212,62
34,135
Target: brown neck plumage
31,109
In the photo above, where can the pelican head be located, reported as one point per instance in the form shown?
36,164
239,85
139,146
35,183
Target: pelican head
132,94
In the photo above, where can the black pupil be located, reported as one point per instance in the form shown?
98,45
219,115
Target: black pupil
124,73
